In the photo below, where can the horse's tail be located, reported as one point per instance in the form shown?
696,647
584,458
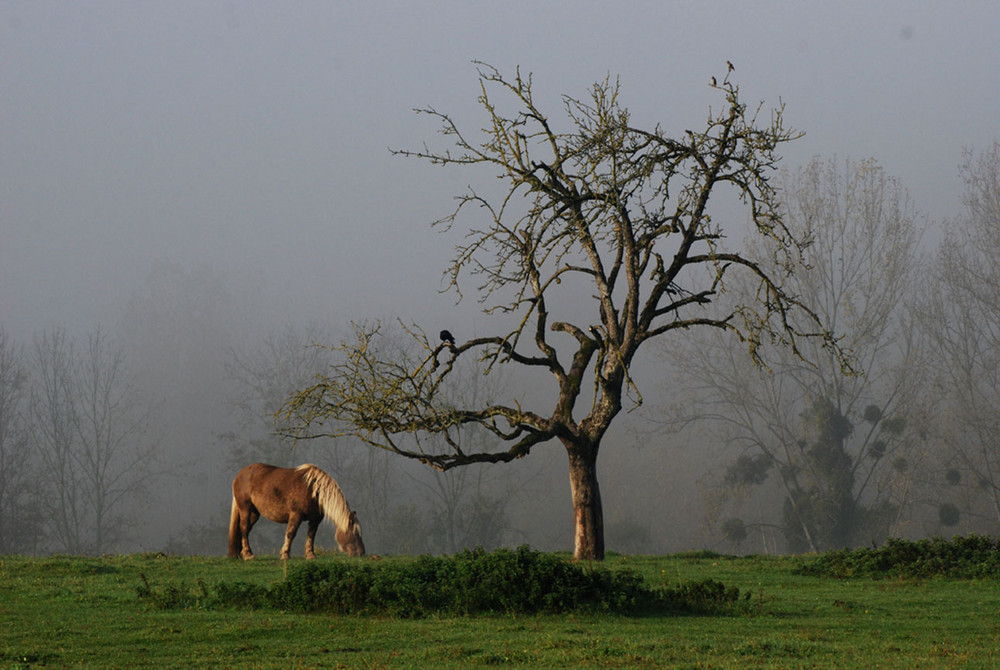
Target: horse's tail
234,531
331,499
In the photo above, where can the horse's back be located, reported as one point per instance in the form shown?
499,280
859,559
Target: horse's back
274,491
257,472
259,468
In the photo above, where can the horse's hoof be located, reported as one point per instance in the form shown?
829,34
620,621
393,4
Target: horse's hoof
248,557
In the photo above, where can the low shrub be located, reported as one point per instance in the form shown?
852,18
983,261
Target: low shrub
505,581
173,596
970,557
708,596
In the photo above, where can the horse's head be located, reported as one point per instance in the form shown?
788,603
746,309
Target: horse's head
349,538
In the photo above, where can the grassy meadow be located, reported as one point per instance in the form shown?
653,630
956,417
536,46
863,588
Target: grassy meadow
74,612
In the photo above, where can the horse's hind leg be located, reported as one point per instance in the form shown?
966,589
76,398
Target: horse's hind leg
293,525
247,520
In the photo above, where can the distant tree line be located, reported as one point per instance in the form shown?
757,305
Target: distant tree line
76,456
82,456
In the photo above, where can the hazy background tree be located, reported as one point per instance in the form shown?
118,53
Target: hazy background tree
469,509
90,428
20,517
179,328
262,376
962,317
600,211
469,506
54,439
823,454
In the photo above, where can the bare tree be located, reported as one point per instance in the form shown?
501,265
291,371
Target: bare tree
601,209
89,426
842,445
54,438
962,317
19,516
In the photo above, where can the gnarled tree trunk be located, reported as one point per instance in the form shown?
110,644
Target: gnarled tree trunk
588,513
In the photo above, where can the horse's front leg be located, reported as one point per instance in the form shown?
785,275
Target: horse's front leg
247,521
293,525
311,536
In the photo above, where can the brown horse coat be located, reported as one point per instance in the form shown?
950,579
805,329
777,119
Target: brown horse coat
290,496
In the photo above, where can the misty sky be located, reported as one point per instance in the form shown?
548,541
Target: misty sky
254,137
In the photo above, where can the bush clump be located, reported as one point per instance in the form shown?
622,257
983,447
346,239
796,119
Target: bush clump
505,581
970,557
173,596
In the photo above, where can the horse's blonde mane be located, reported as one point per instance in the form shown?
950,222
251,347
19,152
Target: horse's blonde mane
331,499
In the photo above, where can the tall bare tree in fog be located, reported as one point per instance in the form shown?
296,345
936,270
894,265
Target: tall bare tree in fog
963,319
54,439
592,209
89,427
19,515
826,454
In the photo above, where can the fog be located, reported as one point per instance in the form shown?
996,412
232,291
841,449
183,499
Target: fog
193,178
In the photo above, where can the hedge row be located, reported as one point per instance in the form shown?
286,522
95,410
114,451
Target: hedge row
969,557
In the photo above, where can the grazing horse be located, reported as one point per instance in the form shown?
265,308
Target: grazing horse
290,495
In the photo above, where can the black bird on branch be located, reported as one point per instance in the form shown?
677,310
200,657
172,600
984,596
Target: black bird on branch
447,338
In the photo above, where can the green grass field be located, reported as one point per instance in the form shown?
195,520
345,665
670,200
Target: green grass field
86,612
